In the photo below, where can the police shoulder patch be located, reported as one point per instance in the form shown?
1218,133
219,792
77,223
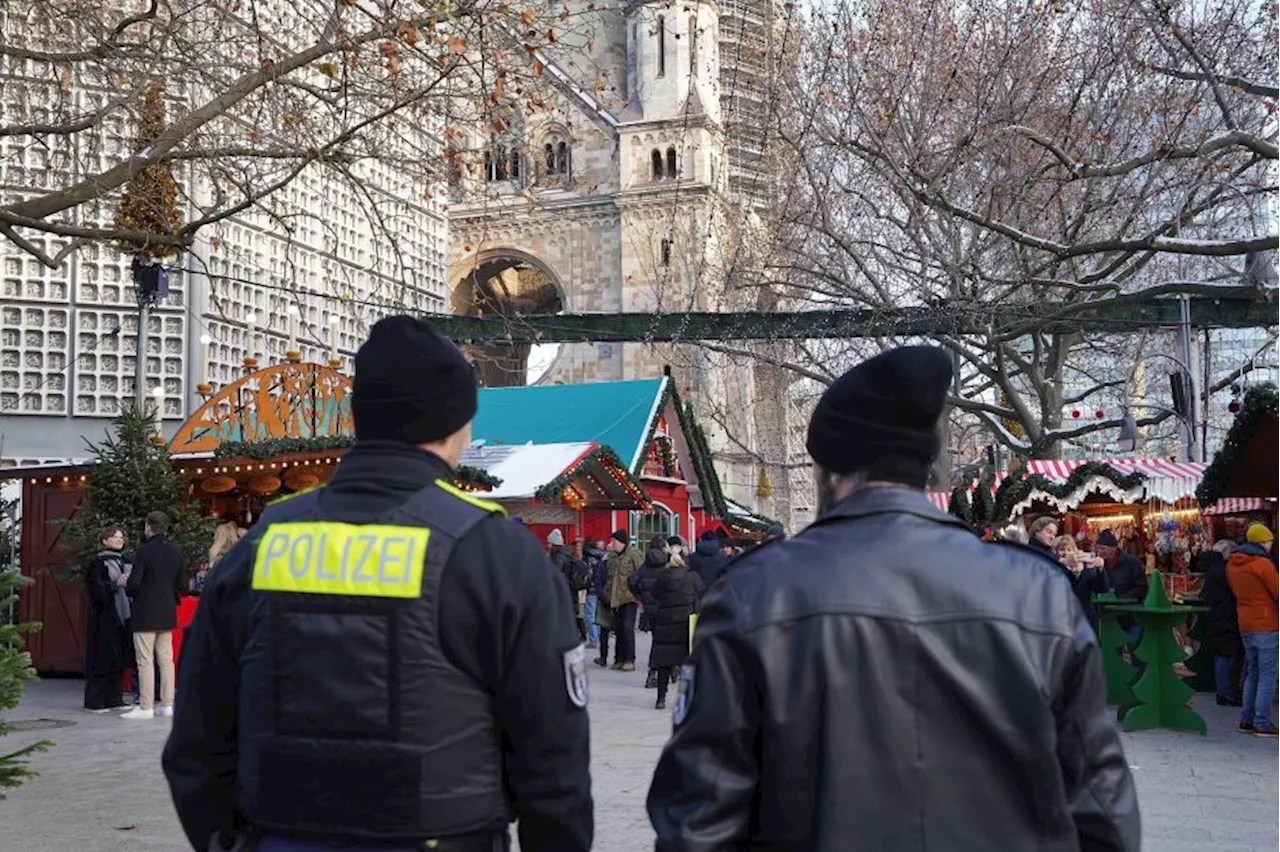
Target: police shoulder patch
684,695
575,675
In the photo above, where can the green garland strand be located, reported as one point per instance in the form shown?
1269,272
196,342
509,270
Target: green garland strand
550,493
996,510
1260,405
703,469
274,447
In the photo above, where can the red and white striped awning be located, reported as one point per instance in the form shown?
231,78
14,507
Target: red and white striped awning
941,499
1167,481
1237,505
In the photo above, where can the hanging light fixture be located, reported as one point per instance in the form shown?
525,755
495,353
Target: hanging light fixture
1130,440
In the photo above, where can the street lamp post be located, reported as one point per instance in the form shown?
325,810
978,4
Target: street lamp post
151,283
1129,439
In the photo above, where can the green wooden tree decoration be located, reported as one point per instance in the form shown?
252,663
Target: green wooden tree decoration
132,476
1202,660
1111,639
15,671
149,204
1159,695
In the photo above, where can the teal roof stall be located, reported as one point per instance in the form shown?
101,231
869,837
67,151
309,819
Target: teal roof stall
619,415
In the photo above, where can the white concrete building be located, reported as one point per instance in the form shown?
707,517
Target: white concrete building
68,336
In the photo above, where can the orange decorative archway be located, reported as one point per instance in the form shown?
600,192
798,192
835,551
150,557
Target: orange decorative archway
292,400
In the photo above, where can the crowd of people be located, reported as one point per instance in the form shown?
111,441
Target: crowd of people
617,591
1239,589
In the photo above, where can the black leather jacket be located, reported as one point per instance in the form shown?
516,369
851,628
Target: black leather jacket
900,686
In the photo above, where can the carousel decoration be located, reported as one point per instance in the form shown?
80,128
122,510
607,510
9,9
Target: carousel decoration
291,399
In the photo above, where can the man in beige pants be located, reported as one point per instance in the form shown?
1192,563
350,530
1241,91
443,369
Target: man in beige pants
155,585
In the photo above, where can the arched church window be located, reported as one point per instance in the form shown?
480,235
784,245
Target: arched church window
497,161
504,157
673,167
662,46
556,155
656,157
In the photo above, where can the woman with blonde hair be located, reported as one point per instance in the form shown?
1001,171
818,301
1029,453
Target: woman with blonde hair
224,538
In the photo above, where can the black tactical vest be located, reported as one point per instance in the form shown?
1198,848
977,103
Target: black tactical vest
353,724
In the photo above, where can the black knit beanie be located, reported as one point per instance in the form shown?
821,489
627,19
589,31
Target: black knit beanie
411,384
882,416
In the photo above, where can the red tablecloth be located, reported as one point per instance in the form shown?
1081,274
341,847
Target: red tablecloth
186,612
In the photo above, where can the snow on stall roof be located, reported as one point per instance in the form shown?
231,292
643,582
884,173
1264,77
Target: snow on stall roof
524,468
741,511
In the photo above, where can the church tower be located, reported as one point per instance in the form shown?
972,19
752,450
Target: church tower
671,169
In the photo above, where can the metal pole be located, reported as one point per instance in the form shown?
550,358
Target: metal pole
140,368
1204,395
1184,339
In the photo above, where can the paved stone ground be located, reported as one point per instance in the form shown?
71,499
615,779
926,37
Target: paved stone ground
101,788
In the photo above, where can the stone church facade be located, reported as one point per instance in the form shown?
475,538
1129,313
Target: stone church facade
626,191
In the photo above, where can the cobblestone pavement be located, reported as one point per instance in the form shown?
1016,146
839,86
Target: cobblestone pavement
101,787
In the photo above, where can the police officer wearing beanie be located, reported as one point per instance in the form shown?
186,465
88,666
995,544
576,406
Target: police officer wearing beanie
901,683
386,662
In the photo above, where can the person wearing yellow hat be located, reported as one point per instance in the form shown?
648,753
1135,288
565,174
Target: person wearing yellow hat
1254,582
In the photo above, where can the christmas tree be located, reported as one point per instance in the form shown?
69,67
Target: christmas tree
150,201
132,476
15,669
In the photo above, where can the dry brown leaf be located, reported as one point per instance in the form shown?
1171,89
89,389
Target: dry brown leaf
410,35
457,45
527,16
329,69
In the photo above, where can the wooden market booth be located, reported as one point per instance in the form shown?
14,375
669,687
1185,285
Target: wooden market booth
587,459
1240,485
1147,503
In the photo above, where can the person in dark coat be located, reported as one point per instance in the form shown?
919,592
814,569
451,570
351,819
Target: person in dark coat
885,680
593,554
1128,577
641,583
322,711
106,641
563,559
676,593
707,559
155,587
1223,627
643,579
1128,580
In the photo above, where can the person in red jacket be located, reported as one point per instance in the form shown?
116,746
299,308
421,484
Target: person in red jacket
1254,583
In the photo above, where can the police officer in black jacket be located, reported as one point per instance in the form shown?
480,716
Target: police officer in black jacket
886,680
386,662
